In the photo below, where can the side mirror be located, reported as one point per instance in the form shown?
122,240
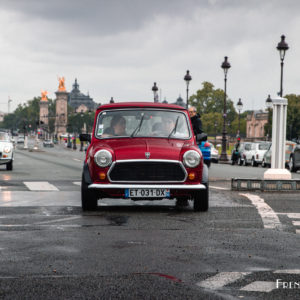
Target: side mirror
200,137
85,137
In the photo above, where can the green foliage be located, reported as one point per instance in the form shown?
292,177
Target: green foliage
210,104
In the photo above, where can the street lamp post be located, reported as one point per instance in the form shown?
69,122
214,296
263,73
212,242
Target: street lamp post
225,66
187,79
282,47
155,89
216,124
239,107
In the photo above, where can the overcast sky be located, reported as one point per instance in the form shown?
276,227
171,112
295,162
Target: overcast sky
118,48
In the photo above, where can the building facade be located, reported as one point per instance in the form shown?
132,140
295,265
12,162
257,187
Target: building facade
80,102
256,122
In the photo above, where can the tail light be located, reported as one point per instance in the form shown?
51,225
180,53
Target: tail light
257,156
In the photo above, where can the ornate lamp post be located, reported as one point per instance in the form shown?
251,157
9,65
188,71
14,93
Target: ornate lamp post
282,47
154,90
187,79
215,124
225,66
239,107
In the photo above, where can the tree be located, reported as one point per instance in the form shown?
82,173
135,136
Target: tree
210,104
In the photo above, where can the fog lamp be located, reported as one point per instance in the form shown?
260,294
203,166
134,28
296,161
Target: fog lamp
192,176
102,175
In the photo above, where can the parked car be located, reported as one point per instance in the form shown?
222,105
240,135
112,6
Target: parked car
294,160
214,153
20,140
244,149
256,153
205,148
6,151
48,143
289,147
143,151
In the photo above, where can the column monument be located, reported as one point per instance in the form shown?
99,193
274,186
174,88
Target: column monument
61,119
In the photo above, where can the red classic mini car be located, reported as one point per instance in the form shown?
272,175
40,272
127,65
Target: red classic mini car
143,151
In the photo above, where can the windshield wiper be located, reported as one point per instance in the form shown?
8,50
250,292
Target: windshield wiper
138,128
175,127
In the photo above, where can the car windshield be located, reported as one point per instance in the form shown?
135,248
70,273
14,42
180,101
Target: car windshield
264,146
4,137
142,123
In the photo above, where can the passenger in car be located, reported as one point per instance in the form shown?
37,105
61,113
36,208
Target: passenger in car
117,126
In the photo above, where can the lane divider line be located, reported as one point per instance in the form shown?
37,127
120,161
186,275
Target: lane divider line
267,214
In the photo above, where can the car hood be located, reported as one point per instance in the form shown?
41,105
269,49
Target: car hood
4,144
136,148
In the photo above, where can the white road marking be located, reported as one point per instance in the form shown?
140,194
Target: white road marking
77,182
291,271
221,279
297,231
77,159
291,215
296,223
40,186
268,215
260,286
218,188
58,220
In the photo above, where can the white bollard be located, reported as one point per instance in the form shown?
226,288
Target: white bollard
278,170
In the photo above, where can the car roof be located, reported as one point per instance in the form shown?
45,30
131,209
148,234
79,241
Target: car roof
139,105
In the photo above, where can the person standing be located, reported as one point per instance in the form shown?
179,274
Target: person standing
196,121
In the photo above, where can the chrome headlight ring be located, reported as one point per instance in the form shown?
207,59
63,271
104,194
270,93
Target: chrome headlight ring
191,159
7,149
103,158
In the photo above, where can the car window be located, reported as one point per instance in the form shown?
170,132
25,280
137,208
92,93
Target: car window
248,147
4,137
142,123
263,146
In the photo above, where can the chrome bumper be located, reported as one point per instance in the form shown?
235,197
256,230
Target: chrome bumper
147,186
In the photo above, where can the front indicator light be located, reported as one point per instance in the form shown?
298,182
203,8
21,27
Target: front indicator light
102,175
192,176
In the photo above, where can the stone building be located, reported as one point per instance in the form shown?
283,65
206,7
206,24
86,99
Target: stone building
180,102
80,102
256,124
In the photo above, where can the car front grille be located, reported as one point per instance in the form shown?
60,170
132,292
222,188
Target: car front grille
147,171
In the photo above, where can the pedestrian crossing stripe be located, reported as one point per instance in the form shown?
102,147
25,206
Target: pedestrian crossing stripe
40,186
222,279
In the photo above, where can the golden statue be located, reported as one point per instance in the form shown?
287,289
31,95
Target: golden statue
61,86
44,95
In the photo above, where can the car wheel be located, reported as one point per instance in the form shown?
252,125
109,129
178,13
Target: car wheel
207,162
239,162
9,166
291,165
263,164
201,199
89,198
253,163
245,162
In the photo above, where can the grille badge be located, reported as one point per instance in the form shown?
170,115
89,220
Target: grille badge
147,154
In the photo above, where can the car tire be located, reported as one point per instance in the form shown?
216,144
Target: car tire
291,165
9,166
201,199
263,164
207,162
239,162
253,162
89,200
245,162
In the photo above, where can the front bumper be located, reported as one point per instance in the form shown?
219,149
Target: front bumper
191,187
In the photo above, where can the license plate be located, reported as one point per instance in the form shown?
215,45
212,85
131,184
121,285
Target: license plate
147,193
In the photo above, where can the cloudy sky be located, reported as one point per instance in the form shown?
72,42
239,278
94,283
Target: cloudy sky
118,48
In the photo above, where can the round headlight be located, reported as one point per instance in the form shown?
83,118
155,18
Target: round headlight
7,149
191,158
103,158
